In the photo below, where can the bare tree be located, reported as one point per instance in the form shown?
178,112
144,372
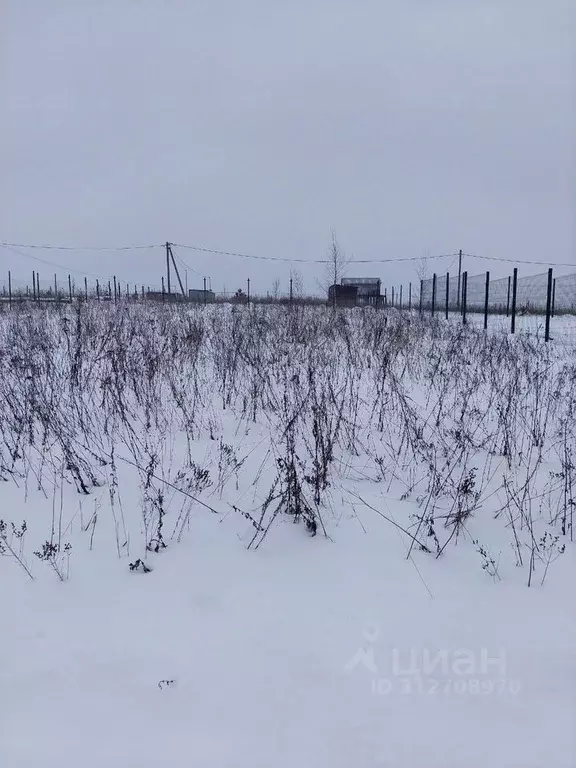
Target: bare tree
297,284
422,266
336,265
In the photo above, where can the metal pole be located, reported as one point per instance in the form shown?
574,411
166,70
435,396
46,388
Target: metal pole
86,287
447,293
204,291
486,297
10,289
459,278
433,293
464,297
400,298
421,293
70,288
409,297
548,305
514,294
248,284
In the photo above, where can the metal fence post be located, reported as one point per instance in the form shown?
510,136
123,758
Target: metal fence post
514,294
421,294
409,297
433,294
548,305
447,293
486,297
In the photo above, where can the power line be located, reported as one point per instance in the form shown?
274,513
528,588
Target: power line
49,263
308,261
186,266
237,254
517,261
217,252
81,248
60,266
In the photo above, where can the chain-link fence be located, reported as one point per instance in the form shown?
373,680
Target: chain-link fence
482,292
520,303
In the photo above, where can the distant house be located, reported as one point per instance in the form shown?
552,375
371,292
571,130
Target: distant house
356,291
343,295
163,296
199,296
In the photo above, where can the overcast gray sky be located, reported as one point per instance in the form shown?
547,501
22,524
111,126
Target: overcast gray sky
408,126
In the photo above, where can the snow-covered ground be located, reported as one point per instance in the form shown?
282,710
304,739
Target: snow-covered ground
562,327
251,642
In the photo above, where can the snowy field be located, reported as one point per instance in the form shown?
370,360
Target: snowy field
562,327
268,539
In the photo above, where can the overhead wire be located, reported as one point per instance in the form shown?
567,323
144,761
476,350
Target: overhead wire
53,263
238,254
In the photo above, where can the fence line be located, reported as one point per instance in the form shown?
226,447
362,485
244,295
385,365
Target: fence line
442,295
